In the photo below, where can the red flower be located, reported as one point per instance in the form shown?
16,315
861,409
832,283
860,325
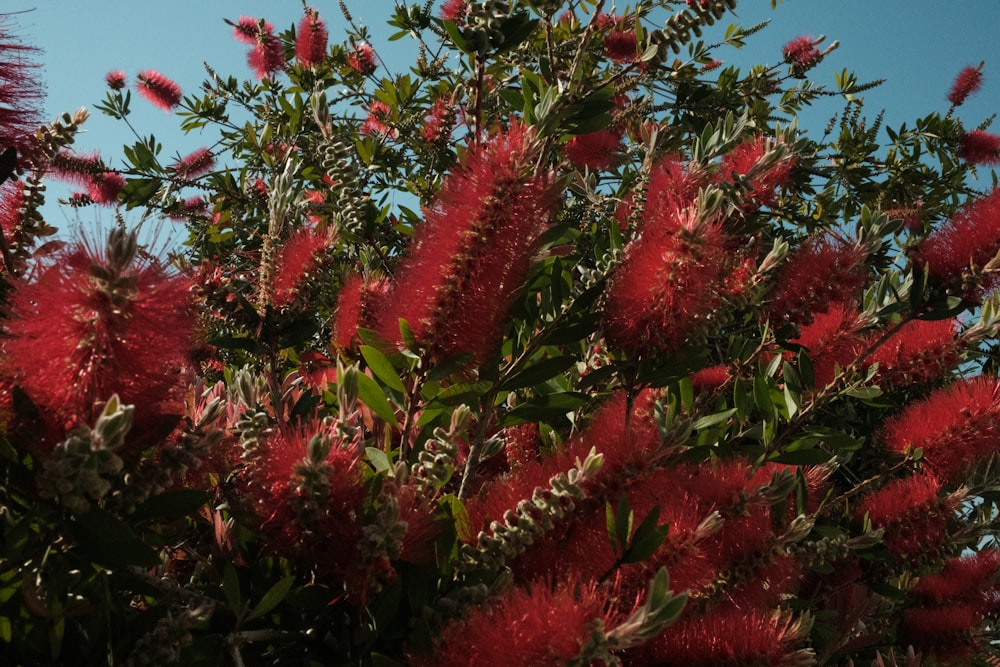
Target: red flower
921,351
969,240
158,89
474,250
454,10
832,340
297,260
248,28
357,306
115,80
819,272
801,52
946,632
966,83
542,625
362,60
954,426
438,121
21,92
104,188
711,378
763,182
194,164
11,204
620,43
980,147
311,39
267,57
968,578
915,518
379,115
96,323
596,151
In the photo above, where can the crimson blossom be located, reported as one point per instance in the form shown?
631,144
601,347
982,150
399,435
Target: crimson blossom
158,89
311,39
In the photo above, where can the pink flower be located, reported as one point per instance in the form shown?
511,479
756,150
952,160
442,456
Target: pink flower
21,92
966,83
194,164
267,56
362,59
94,323
965,243
980,147
115,80
801,52
474,250
596,151
248,28
357,306
311,39
104,188
158,89
379,115
454,10
438,121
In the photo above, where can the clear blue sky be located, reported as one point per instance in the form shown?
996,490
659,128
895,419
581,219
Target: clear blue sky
918,45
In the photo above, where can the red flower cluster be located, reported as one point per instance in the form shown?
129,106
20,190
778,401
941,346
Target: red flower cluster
266,56
966,83
472,254
357,306
980,147
194,164
764,182
454,10
21,92
801,52
299,257
377,122
967,241
913,512
96,323
921,351
596,150
115,80
158,89
362,59
311,39
620,43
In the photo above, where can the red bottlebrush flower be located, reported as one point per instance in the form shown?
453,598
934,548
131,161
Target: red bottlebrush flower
596,151
946,632
970,578
919,352
954,426
115,80
11,203
362,59
980,147
307,487
298,259
311,39
192,207
711,378
966,83
832,340
763,181
95,323
620,43
438,121
522,444
970,239
913,514
801,52
104,188
377,122
727,636
473,252
542,625
77,169
667,285
158,89
417,511
267,57
21,92
454,10
357,306
713,64
819,272
248,28
194,164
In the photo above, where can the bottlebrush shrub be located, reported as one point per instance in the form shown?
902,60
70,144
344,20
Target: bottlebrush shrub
549,350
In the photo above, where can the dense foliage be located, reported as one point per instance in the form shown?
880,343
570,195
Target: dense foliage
563,346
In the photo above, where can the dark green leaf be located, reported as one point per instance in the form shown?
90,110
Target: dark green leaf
538,373
272,598
106,539
171,504
371,394
382,368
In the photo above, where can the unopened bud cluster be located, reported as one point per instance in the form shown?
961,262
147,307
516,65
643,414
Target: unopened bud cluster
681,26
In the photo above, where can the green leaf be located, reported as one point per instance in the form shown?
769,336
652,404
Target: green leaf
106,539
231,588
762,397
455,34
449,366
378,459
272,598
538,373
648,537
624,516
171,504
382,368
371,394
713,419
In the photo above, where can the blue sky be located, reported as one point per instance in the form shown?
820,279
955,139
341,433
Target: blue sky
917,45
